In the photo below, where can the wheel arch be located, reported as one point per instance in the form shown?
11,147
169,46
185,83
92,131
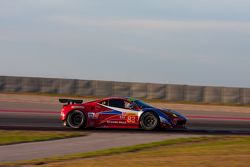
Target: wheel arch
77,109
148,111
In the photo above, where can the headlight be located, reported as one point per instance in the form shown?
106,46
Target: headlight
174,115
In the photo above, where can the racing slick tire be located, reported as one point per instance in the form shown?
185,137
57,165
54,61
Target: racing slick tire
149,121
76,119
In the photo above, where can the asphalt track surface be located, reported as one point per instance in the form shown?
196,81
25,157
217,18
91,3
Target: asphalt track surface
41,115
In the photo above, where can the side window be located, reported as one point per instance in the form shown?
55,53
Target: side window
117,103
127,105
105,102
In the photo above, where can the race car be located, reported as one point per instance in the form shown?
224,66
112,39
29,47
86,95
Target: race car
118,112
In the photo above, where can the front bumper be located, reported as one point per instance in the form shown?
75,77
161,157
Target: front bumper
173,123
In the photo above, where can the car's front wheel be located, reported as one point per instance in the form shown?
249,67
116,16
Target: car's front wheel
149,121
76,119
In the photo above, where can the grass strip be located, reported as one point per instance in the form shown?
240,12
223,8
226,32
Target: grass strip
223,152
115,151
21,136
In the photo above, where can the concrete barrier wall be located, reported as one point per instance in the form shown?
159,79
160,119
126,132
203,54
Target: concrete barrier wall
168,92
212,94
193,93
103,88
244,96
156,91
83,87
121,89
175,93
231,95
139,90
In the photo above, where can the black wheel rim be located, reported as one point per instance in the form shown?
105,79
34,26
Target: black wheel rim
150,121
76,119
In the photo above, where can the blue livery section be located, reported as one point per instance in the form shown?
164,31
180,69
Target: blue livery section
112,112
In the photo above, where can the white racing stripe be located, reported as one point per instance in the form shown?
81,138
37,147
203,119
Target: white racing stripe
123,110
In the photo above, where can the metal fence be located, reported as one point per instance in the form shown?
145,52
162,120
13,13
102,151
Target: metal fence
168,92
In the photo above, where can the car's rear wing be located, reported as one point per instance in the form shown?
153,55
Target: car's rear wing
71,101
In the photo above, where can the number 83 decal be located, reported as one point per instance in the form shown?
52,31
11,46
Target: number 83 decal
131,119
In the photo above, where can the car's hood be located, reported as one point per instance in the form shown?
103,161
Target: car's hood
173,113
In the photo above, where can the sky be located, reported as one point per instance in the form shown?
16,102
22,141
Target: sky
194,42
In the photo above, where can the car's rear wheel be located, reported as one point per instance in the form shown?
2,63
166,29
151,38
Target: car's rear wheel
76,119
149,121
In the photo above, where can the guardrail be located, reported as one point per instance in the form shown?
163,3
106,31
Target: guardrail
168,92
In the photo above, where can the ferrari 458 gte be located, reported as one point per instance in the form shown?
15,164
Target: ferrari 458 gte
118,112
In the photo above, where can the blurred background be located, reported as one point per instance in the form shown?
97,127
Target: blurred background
196,42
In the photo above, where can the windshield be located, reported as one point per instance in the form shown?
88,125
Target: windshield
142,104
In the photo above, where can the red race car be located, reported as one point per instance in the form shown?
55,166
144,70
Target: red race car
118,112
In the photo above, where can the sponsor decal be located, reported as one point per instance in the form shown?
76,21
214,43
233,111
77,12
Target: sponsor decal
131,114
93,115
78,107
116,122
108,119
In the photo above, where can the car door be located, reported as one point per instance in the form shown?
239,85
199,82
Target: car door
119,114
111,117
103,113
